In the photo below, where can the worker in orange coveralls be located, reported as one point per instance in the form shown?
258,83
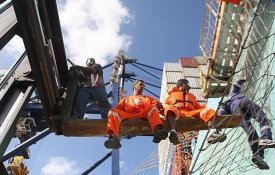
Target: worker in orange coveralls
181,103
135,106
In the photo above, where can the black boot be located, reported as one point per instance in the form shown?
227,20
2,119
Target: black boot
259,161
173,137
112,142
160,134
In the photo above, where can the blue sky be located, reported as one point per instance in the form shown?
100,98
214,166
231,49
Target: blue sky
151,31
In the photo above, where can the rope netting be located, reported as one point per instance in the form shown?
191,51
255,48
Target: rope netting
255,61
173,158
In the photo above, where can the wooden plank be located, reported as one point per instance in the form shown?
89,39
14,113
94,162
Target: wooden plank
138,127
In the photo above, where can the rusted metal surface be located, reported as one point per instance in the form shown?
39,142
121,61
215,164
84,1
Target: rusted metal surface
139,127
188,62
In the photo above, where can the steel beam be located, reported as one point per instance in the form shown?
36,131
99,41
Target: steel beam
41,61
57,40
15,151
11,106
13,95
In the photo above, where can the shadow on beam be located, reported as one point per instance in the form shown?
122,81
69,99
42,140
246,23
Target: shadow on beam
139,127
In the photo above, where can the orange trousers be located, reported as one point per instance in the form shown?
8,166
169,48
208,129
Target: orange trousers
115,116
205,113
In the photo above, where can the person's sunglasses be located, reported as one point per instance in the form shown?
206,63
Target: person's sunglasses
186,83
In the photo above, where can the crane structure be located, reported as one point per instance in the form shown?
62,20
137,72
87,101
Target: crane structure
36,93
222,34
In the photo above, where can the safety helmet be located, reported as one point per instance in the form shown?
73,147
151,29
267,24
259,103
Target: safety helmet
183,81
89,60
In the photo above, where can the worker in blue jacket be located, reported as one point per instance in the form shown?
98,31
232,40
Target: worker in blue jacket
238,104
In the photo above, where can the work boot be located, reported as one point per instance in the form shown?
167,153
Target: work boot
216,137
266,143
173,137
112,142
160,134
259,161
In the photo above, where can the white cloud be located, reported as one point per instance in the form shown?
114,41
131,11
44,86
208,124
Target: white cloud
60,166
91,28
15,47
11,52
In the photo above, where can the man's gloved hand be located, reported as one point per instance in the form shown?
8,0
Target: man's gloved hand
160,108
73,67
221,111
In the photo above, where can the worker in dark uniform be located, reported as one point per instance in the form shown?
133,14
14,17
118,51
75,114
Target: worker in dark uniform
238,104
92,89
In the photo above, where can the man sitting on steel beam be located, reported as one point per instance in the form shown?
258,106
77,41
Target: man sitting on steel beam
135,106
181,103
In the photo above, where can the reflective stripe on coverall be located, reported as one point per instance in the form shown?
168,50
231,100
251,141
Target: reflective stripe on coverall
136,106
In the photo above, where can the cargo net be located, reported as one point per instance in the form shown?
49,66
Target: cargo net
256,63
168,157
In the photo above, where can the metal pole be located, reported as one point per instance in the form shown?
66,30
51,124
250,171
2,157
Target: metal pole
115,152
97,163
25,144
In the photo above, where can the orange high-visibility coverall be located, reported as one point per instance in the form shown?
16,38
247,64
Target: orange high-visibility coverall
185,104
237,2
135,106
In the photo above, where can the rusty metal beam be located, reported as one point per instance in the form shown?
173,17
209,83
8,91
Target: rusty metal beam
32,31
139,127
